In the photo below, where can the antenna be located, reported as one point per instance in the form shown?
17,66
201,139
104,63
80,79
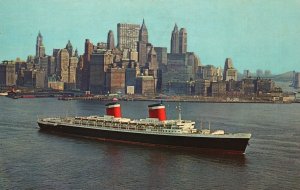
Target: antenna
201,124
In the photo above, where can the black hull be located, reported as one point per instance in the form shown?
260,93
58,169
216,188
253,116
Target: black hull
228,145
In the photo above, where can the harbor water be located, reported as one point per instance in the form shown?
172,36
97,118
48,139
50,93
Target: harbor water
31,159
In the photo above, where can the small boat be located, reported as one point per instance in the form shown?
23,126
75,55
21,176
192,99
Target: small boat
66,98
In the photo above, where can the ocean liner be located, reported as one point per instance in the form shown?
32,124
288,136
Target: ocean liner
155,130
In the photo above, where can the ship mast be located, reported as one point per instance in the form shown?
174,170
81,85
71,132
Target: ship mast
179,112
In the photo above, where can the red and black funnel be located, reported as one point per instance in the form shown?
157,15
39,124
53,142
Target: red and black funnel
113,109
157,111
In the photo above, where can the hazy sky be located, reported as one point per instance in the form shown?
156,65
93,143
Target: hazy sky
256,34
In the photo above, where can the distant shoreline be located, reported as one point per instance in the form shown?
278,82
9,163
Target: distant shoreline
165,100
210,100
201,99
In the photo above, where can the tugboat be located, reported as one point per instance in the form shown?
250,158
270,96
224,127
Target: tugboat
154,130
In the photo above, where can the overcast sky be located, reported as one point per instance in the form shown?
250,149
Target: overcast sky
256,34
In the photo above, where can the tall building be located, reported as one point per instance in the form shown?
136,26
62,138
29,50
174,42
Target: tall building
162,60
55,54
194,62
73,61
142,44
180,71
63,65
51,66
175,40
40,79
182,66
100,60
229,72
69,47
79,71
128,36
152,60
145,85
29,78
110,40
130,77
152,66
88,50
182,40
76,53
66,68
20,66
7,73
228,64
143,33
115,80
162,55
43,64
40,48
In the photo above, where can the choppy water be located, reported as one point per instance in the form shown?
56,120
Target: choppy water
30,159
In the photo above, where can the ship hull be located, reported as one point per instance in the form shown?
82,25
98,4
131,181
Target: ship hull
215,144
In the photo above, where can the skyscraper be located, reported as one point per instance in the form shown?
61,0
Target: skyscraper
228,64
73,61
63,65
162,60
100,60
51,65
67,68
152,66
76,53
143,33
142,44
115,80
69,47
152,60
175,40
79,72
110,40
88,50
128,36
182,41
229,72
40,48
7,73
161,55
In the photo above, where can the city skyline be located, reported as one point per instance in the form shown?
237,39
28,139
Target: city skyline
257,35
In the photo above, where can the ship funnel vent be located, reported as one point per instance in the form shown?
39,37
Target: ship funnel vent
113,109
157,111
